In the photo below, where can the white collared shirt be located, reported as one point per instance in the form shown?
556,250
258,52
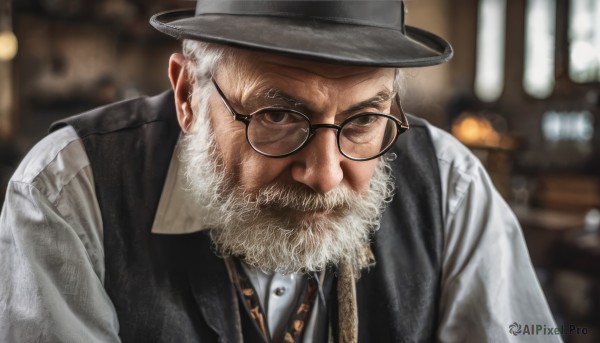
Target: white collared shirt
51,221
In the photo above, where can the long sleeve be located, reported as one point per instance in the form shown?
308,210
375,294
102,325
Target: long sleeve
488,280
51,251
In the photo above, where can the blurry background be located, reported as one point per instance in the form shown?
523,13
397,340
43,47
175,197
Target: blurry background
522,91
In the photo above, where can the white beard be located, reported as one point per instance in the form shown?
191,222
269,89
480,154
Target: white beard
276,228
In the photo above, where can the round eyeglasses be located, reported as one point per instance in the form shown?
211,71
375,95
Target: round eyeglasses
279,132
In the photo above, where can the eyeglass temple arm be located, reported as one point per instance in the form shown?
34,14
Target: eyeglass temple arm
235,115
404,125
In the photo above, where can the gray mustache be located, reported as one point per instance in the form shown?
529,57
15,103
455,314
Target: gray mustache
301,198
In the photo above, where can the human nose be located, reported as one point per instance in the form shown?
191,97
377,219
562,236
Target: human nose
318,165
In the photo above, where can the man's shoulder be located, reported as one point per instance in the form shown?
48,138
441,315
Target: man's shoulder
53,163
122,115
458,167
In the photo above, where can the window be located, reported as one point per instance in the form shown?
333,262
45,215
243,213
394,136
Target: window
540,31
489,73
584,40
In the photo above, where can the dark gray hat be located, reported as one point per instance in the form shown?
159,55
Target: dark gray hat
370,33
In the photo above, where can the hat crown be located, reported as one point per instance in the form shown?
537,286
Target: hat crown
351,32
376,13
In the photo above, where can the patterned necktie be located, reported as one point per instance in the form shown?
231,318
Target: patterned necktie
297,321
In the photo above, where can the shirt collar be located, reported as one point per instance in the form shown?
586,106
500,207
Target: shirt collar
178,212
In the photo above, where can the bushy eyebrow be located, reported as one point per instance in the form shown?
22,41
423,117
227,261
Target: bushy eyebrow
274,93
274,97
374,102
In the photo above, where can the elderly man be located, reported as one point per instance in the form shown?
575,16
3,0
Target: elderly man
276,194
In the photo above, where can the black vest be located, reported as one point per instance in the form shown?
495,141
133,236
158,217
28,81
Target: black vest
174,288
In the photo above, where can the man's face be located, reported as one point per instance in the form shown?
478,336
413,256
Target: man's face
323,92
300,212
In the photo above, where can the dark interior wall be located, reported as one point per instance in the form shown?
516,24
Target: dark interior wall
83,54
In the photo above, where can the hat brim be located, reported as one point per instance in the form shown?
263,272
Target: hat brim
319,40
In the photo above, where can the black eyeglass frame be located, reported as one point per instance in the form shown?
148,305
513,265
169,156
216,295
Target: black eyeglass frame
401,126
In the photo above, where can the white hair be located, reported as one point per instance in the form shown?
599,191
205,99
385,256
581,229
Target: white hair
202,60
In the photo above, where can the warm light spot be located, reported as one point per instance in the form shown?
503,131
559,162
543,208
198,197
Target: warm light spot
475,131
8,45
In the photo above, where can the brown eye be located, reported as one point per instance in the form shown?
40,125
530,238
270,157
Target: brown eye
277,132
278,117
364,120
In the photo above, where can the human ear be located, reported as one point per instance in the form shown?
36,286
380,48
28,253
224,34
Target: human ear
182,86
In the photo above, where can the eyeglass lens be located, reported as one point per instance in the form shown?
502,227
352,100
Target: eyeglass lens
280,132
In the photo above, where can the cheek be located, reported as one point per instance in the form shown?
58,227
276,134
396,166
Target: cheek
259,171
357,175
231,145
230,138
